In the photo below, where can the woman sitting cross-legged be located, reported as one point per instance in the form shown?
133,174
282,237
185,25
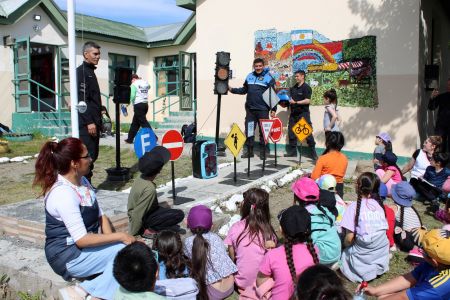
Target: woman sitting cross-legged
80,241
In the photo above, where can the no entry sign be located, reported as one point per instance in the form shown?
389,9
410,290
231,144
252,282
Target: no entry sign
173,141
277,130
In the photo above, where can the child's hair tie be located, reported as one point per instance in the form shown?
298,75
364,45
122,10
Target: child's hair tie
253,206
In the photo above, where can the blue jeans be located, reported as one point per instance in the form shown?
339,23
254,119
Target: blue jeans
95,260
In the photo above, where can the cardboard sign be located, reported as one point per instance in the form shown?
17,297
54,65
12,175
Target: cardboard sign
235,140
302,129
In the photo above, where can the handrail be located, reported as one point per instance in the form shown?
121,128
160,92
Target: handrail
172,93
107,100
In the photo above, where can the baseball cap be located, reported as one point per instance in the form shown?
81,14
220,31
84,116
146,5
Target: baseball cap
436,243
384,136
153,160
403,193
200,216
327,182
389,157
306,189
295,220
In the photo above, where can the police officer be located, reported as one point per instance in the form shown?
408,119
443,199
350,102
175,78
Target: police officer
139,99
299,107
90,122
256,83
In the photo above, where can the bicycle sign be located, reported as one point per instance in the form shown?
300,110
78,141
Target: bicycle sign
302,129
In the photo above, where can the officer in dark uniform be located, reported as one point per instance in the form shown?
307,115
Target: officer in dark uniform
256,83
299,107
90,122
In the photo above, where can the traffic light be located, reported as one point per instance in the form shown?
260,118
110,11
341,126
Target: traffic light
122,82
222,73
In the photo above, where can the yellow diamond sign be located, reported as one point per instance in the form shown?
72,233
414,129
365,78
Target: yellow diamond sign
235,140
302,129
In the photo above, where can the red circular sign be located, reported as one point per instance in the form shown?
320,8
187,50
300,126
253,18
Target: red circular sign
277,130
173,141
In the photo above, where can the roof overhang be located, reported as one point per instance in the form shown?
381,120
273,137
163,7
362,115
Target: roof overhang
187,4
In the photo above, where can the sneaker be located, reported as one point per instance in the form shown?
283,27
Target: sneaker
415,256
128,141
72,293
290,154
434,207
247,154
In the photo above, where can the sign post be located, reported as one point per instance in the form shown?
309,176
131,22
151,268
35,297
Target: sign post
235,141
266,127
302,130
173,141
275,134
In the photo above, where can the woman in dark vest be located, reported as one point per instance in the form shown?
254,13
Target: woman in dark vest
80,241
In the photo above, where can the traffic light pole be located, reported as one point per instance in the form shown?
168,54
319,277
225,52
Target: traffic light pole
220,150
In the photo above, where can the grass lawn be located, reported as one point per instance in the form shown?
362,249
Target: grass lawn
18,177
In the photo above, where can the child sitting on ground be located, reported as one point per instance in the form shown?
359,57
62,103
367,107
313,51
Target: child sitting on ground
212,268
327,184
285,263
367,247
320,282
135,269
106,122
389,172
430,280
172,261
383,144
146,216
406,216
249,239
435,176
443,215
323,232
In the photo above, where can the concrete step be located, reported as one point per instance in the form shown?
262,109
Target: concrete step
181,113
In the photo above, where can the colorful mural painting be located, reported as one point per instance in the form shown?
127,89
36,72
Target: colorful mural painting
349,66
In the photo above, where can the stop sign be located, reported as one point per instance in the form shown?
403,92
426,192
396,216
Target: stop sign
173,141
277,130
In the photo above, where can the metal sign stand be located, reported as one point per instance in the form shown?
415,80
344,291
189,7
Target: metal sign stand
174,195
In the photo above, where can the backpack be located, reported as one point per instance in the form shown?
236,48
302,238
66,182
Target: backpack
189,132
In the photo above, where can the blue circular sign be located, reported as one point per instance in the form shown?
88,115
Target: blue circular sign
144,141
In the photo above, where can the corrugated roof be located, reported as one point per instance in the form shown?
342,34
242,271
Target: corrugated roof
162,32
7,7
110,28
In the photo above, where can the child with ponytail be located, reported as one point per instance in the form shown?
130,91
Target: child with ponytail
285,263
331,116
367,252
249,239
323,231
212,268
172,261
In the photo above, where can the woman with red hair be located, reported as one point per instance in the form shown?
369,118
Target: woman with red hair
80,241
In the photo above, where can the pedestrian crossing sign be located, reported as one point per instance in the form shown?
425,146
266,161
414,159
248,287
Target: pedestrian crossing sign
302,129
235,140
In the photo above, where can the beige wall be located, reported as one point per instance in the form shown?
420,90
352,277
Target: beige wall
396,26
48,34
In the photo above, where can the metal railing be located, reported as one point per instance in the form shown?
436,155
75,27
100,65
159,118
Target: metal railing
168,95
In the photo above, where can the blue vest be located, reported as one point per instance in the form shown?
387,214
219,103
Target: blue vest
57,249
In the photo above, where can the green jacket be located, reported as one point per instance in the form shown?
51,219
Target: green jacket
141,202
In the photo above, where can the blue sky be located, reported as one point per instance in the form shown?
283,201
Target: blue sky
138,12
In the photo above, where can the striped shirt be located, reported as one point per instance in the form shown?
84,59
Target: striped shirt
410,218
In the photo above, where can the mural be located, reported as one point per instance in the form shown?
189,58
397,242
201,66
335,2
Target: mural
349,66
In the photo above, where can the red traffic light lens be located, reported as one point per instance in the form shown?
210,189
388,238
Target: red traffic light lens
222,73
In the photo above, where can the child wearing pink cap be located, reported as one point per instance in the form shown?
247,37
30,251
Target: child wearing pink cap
212,268
383,143
323,230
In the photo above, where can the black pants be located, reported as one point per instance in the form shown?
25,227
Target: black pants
253,116
163,218
92,145
428,191
139,120
293,119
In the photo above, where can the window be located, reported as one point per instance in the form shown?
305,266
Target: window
166,71
119,60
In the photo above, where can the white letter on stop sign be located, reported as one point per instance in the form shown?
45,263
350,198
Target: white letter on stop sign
143,142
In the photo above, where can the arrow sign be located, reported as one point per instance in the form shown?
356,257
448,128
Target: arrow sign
266,126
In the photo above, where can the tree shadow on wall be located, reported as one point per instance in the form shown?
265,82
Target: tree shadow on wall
394,36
